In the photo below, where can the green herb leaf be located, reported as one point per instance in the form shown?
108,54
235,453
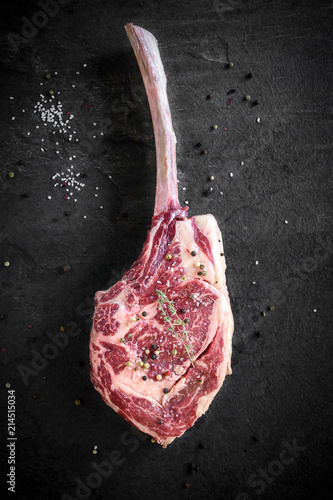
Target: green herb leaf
163,299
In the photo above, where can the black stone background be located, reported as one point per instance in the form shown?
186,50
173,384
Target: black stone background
280,388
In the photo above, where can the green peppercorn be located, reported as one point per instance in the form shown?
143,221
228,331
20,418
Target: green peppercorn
174,352
122,340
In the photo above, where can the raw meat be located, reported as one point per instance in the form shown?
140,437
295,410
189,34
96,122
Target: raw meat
161,339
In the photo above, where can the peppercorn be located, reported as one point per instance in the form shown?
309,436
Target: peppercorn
77,402
187,485
129,335
157,352
174,352
204,273
199,273
193,253
146,366
122,340
159,377
165,390
231,65
153,356
51,92
204,152
214,127
191,296
144,377
128,363
153,347
168,256
48,76
160,422
140,363
182,311
271,308
186,321
144,314
6,263
202,266
247,98
11,175
147,351
222,254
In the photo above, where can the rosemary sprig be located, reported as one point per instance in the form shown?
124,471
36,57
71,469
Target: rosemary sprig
171,317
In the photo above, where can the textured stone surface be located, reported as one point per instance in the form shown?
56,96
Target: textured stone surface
280,388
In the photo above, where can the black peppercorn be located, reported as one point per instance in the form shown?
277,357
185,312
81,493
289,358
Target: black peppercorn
153,356
153,347
165,390
144,377
193,253
182,311
144,314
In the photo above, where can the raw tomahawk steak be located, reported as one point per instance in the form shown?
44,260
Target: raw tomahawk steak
161,339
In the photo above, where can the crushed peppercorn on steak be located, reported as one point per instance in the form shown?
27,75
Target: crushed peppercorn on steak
161,339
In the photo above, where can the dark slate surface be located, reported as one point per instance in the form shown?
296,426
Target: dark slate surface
279,394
